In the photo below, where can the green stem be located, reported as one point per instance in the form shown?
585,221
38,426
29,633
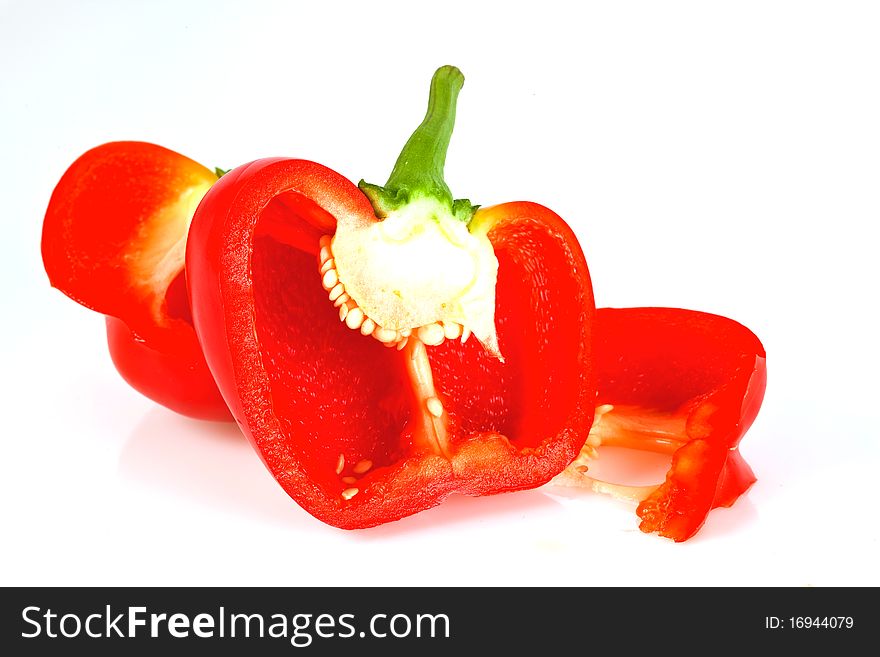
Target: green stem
418,172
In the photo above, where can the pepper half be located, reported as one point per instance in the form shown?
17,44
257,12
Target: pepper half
384,348
678,382
114,238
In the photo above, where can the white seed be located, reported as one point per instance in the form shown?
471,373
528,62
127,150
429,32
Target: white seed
435,406
329,264
349,480
336,291
368,326
604,409
362,466
465,334
405,333
325,254
390,344
355,318
348,493
451,330
330,279
342,299
343,311
384,334
402,343
431,334
340,464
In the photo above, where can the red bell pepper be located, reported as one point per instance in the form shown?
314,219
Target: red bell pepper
359,435
679,382
297,279
114,238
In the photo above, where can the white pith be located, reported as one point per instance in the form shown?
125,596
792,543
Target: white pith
575,475
417,272
157,255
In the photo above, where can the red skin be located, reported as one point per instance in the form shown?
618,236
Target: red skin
305,389
699,374
113,217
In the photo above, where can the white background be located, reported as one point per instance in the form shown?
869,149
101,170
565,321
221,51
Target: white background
716,156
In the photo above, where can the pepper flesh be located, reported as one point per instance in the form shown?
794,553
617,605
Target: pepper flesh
113,240
683,383
310,393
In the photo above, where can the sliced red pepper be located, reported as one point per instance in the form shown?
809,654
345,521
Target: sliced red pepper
679,382
356,432
114,240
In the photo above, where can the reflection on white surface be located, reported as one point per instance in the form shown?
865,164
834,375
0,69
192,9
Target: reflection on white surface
210,463
463,510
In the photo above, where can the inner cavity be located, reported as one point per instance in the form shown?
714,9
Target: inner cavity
351,406
539,319
335,394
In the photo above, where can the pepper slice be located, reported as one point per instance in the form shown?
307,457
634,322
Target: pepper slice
114,239
359,433
678,382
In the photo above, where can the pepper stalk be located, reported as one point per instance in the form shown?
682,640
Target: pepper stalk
418,172
423,268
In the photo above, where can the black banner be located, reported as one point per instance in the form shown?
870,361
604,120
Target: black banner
429,621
